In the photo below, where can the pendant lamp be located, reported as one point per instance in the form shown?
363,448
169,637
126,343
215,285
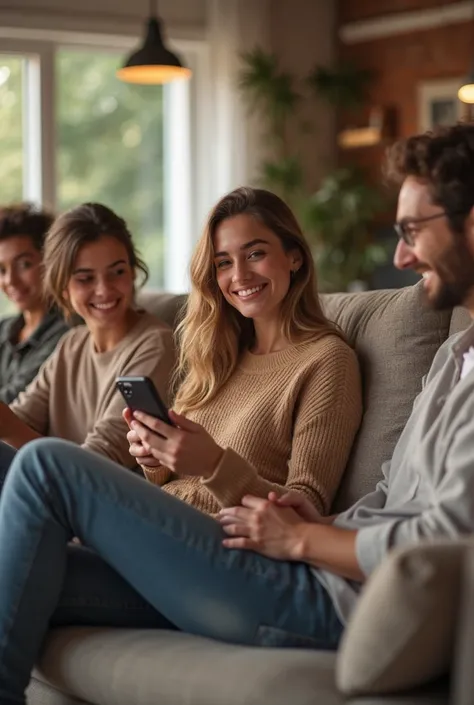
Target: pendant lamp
466,92
153,63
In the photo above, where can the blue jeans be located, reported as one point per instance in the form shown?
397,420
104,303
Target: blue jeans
152,561
7,453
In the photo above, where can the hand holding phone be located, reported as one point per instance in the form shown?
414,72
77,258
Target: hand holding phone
178,452
140,394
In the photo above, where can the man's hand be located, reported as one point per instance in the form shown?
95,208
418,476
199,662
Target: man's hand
261,525
299,503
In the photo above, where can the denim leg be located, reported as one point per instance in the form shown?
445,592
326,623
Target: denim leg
170,554
94,594
7,453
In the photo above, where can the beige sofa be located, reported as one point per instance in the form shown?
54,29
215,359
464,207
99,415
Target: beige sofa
396,339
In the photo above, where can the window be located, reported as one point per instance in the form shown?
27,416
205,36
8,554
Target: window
110,146
11,133
12,70
71,132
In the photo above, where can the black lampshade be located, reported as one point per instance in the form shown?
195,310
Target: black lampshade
153,63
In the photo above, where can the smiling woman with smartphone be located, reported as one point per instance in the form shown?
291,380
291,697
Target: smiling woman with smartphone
271,395
90,266
267,406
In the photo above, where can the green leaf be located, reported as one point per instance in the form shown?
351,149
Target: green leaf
344,86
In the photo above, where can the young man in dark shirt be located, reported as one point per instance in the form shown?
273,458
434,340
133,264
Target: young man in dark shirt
28,338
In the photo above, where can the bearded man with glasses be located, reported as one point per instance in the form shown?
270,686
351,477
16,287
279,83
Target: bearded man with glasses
435,217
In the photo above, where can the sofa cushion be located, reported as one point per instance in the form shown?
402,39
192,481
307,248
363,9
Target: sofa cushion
396,337
168,307
147,667
83,665
460,320
402,632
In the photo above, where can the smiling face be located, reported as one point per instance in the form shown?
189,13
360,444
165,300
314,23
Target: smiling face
100,288
444,259
21,272
252,268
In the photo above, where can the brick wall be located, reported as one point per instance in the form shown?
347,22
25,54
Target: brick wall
400,62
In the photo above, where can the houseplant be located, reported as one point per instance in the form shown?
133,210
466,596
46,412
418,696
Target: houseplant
339,215
339,218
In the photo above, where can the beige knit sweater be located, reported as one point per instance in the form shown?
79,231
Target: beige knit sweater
286,420
74,395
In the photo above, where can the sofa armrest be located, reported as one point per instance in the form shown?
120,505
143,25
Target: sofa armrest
462,670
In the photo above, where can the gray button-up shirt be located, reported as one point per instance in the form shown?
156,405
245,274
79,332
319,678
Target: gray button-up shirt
427,490
20,362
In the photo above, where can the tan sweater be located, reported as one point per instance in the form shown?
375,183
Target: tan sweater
74,395
287,420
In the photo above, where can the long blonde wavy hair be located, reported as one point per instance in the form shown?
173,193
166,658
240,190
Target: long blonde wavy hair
212,334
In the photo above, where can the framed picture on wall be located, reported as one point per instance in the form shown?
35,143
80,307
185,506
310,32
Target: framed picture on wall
438,103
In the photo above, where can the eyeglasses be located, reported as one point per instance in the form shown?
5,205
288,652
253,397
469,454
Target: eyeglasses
403,228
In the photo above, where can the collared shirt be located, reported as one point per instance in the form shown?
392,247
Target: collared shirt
468,363
20,361
427,491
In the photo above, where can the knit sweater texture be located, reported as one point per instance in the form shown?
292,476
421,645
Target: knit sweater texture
74,395
286,421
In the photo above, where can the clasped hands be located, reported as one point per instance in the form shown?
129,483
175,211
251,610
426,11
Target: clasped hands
273,527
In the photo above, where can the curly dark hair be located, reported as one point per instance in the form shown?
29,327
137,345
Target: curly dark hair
444,158
69,232
25,219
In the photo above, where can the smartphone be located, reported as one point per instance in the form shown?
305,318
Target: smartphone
140,394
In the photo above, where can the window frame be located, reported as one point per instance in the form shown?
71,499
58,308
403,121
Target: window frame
187,194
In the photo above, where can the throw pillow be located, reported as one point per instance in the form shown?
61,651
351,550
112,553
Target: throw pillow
402,631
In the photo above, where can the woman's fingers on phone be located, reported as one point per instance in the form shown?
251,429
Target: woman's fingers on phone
138,450
149,460
154,424
127,415
183,422
143,457
133,437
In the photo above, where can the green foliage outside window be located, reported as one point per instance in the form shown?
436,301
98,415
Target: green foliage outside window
109,138
11,137
110,147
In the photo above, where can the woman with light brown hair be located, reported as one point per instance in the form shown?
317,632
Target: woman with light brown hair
265,414
90,266
270,393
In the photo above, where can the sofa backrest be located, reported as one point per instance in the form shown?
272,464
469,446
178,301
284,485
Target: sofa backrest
162,304
395,337
459,320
